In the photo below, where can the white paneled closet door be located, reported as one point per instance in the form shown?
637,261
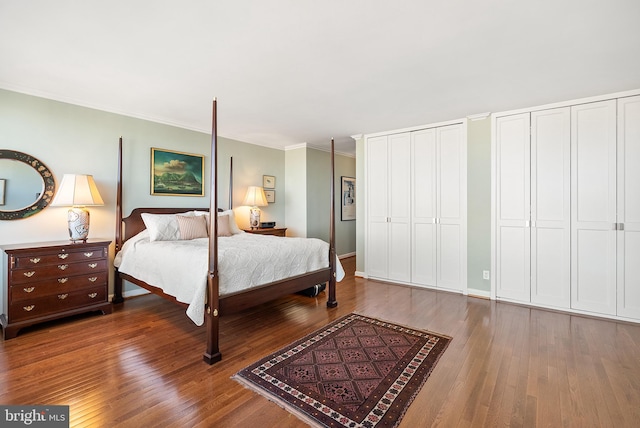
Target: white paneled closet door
399,166
423,219
593,194
628,242
551,207
513,237
377,261
451,207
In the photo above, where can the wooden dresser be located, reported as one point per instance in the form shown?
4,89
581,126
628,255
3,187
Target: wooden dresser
275,231
49,280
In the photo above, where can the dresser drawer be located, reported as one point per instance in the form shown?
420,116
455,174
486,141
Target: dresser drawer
36,260
57,285
60,302
60,270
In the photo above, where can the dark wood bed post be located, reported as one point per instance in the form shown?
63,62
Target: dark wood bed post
230,183
212,315
117,280
331,297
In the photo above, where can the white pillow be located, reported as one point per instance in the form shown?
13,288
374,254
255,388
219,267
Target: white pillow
162,227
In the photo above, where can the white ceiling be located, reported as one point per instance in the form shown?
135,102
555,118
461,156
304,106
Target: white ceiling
287,72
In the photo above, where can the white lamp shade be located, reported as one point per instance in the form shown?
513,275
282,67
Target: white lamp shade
255,197
77,190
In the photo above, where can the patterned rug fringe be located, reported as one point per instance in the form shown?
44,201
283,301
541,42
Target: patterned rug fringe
281,403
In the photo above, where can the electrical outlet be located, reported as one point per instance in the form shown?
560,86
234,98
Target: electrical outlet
485,274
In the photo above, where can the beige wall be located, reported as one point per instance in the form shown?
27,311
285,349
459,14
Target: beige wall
318,176
296,191
478,203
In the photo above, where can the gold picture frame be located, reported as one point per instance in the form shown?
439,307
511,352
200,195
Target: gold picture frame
270,195
176,173
268,182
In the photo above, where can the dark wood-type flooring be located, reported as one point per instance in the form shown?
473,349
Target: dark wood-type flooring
507,365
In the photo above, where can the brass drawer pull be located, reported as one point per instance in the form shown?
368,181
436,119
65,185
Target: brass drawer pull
93,278
62,296
63,256
35,260
93,265
28,308
30,273
63,267
88,254
29,289
63,280
92,295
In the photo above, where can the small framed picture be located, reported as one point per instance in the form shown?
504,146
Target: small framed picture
348,199
270,195
268,182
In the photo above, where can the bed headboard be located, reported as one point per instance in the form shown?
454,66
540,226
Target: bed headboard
133,224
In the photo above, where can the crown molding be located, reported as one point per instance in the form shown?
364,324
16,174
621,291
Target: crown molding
479,116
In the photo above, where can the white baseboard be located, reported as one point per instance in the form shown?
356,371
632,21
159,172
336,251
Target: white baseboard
132,293
360,274
473,292
344,256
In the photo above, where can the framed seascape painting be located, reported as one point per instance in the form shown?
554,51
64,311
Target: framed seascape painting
176,173
348,199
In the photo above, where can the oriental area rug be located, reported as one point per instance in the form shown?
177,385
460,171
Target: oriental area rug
355,372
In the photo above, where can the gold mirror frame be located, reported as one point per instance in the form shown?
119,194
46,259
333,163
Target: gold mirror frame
49,185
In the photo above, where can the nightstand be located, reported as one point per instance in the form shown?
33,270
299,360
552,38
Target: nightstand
50,280
275,231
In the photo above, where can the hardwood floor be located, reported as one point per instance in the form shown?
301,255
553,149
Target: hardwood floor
507,365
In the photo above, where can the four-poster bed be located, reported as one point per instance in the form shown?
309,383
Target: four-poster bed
217,303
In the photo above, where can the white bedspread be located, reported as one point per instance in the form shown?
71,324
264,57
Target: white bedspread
245,260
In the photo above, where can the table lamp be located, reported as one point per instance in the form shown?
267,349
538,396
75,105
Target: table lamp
77,191
255,198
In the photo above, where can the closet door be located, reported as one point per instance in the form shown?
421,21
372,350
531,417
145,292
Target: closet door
451,207
377,207
423,211
399,167
513,238
593,205
551,207
628,254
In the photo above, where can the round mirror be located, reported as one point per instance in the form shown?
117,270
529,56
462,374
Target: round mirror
26,185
